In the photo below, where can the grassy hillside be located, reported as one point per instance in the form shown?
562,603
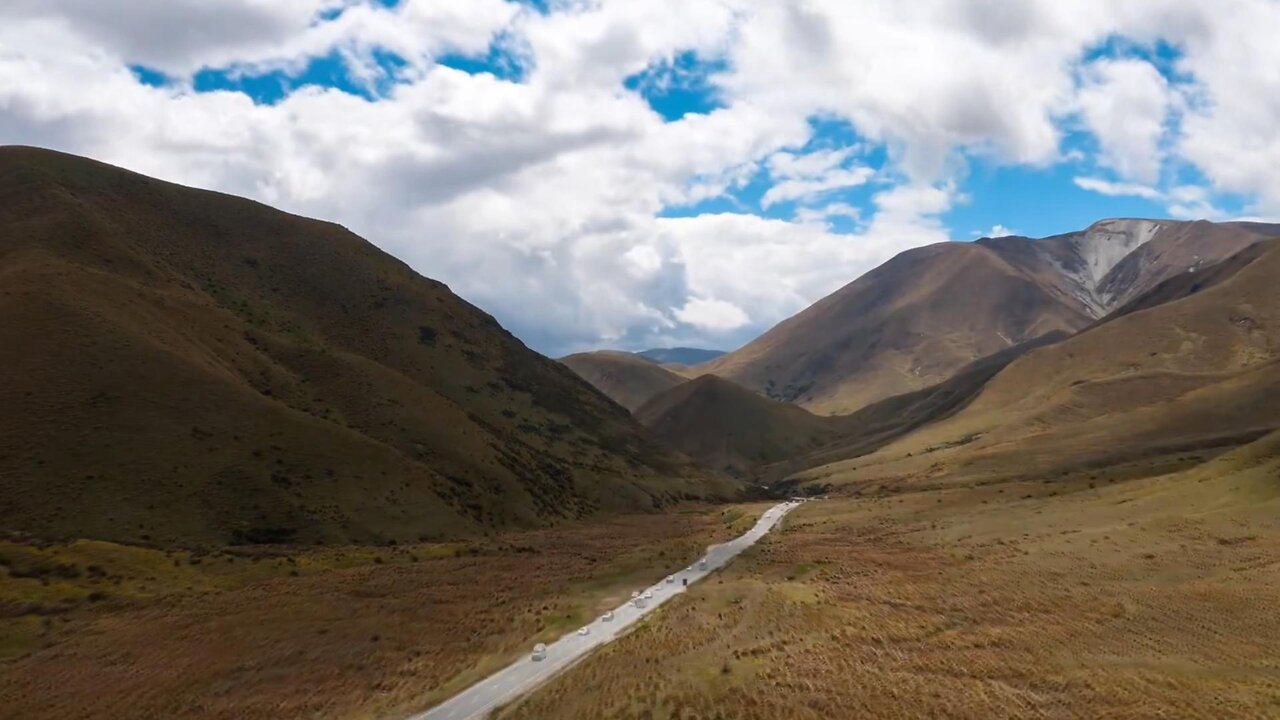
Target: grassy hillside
188,367
101,631
916,320
1085,597
1175,381
904,326
629,380
729,428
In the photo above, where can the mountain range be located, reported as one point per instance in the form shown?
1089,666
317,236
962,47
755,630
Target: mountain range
184,367
920,317
1130,340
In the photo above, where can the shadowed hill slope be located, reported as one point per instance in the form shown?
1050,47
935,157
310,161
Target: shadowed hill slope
730,428
630,380
920,317
182,366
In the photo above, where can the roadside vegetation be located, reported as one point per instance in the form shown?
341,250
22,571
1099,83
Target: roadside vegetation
92,629
1086,596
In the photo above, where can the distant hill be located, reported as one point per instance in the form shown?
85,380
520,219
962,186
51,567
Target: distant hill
680,355
628,379
917,319
185,367
729,428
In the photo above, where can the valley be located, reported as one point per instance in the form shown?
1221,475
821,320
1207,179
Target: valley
639,360
1049,473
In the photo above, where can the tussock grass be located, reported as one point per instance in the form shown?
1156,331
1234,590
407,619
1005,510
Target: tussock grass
1147,598
290,631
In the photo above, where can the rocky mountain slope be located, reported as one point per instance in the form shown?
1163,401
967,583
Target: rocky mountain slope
182,366
917,319
1185,371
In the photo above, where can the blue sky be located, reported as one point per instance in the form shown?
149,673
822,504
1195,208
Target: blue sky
1036,201
617,174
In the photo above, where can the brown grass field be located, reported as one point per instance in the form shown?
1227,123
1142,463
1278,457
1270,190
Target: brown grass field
1089,596
99,630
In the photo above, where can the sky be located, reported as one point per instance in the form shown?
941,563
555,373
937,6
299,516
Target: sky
632,174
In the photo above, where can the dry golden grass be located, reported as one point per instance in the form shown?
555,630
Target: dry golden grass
1085,597
327,632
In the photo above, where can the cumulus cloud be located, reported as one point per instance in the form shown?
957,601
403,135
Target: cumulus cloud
998,231
1124,104
803,177
1117,189
547,198
713,315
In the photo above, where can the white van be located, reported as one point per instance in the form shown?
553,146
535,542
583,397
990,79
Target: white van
539,652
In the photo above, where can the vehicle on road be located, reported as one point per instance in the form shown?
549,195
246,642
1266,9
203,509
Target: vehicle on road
702,564
539,652
608,616
584,631
671,579
648,595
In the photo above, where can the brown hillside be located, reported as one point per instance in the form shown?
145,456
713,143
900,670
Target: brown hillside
183,366
917,319
1175,382
630,380
906,325
727,427
884,421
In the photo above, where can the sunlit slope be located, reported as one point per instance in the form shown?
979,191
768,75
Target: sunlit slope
1192,376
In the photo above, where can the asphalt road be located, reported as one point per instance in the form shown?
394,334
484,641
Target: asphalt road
526,673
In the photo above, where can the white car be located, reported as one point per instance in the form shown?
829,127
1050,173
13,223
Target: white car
648,594
702,564
539,652
584,631
671,579
607,617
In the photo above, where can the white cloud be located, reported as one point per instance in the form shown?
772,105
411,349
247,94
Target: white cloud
1192,202
1118,189
540,199
998,231
828,211
803,177
713,315
1124,103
